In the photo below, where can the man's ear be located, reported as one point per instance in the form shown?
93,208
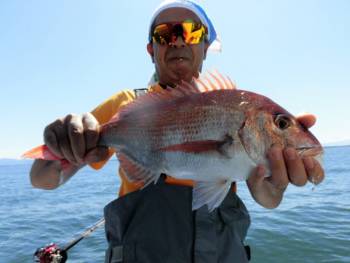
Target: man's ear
205,49
150,50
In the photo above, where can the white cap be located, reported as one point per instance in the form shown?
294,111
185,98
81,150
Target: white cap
214,41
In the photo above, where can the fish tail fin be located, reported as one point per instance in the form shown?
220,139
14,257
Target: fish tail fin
40,152
43,152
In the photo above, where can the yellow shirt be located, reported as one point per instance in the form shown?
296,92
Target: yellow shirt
103,113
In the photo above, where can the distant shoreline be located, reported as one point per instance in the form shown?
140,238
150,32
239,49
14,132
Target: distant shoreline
334,146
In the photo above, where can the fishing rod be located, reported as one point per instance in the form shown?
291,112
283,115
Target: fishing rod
52,253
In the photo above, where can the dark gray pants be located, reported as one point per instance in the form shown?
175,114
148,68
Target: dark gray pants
157,225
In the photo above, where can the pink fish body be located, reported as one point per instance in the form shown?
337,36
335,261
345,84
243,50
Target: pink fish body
208,132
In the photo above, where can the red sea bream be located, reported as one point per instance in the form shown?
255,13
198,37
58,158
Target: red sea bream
208,131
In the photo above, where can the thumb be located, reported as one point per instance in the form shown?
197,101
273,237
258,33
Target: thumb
257,177
97,154
307,120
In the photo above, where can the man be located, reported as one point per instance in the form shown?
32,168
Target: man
157,224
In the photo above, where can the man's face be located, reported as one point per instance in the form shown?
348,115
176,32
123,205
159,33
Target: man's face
179,61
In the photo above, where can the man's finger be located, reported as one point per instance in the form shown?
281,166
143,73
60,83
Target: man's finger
50,138
76,137
91,131
295,167
307,120
97,154
64,142
257,177
315,172
279,176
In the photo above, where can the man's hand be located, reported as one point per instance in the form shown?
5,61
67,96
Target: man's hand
75,139
286,167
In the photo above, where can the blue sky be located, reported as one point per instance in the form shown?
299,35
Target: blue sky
59,57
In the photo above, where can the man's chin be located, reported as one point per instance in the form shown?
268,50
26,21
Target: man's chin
180,66
182,74
175,76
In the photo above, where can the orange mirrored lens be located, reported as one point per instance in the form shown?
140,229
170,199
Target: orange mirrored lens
191,32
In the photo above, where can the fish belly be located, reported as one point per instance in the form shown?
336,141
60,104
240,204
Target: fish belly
208,166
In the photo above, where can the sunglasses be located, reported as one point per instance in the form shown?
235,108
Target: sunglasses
191,32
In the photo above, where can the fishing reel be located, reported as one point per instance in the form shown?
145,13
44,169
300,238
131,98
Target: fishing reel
50,254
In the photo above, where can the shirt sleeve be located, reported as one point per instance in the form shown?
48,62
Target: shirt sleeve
106,110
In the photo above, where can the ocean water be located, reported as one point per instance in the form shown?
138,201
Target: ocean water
310,226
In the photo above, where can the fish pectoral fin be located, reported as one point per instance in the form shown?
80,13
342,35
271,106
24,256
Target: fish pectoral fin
134,171
210,193
225,146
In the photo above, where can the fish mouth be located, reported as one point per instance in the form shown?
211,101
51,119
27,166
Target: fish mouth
309,151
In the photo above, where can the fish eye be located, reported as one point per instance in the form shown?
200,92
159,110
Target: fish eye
282,121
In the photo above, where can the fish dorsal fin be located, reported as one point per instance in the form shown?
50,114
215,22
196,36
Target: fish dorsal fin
213,80
208,82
